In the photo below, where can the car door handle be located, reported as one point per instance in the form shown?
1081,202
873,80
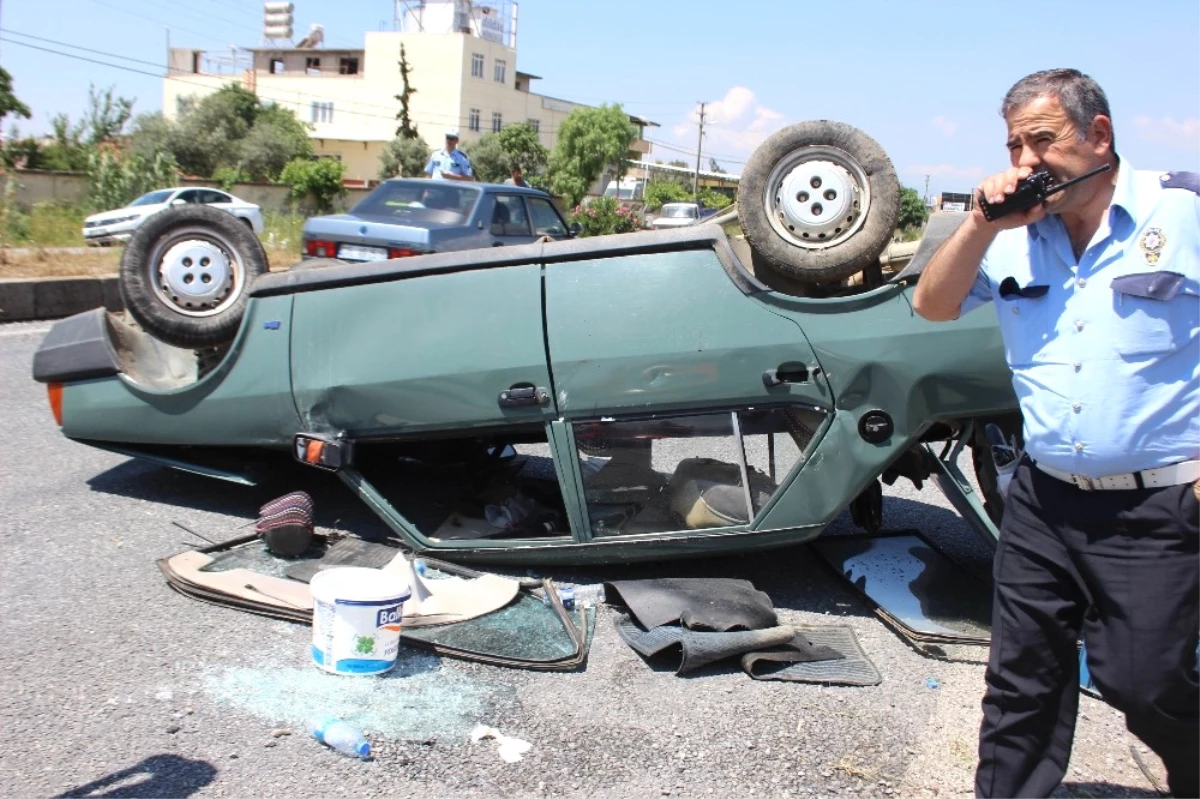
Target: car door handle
523,394
497,244
789,373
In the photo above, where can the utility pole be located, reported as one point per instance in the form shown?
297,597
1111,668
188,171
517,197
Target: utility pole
927,191
699,146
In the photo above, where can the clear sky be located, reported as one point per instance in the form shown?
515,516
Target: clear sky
924,79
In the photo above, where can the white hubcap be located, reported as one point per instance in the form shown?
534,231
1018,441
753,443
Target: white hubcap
195,275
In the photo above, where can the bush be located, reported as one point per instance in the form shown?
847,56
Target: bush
604,215
665,191
226,176
114,180
715,200
318,182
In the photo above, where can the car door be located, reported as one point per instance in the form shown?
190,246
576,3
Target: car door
510,221
452,351
691,401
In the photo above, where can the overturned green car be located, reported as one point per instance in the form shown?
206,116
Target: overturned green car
642,396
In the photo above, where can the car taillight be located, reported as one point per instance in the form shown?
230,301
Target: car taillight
320,248
54,393
402,252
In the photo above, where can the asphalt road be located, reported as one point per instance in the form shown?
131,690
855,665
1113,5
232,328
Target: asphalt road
114,685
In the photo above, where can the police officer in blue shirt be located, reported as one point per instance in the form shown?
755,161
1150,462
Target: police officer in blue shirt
450,163
1097,291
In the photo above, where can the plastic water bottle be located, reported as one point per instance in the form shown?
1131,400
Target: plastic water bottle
589,596
566,595
341,736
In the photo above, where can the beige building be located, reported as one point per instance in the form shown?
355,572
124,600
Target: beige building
465,76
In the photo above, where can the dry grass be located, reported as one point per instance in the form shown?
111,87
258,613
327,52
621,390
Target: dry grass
95,262
46,243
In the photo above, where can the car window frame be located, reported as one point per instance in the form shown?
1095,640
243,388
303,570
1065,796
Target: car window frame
530,204
223,197
501,198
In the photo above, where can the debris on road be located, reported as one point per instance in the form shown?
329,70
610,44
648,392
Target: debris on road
510,750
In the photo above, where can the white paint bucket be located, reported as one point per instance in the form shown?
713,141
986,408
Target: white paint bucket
356,619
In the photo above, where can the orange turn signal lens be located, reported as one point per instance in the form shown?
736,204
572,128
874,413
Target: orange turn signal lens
54,393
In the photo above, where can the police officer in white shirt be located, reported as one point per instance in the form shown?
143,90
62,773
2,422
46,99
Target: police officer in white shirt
450,163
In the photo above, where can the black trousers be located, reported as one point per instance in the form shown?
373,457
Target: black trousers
1120,566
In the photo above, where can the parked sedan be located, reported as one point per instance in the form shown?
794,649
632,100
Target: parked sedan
404,217
111,227
675,215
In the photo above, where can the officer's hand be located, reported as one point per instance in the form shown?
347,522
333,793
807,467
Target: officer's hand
999,186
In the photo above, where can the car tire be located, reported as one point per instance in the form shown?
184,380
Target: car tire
186,274
818,202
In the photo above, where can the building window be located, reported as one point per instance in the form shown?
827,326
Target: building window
473,120
321,112
347,65
500,73
497,122
536,124
276,66
312,66
476,65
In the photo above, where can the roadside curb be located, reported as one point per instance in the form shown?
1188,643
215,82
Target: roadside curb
38,298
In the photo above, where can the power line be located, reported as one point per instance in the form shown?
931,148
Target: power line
78,47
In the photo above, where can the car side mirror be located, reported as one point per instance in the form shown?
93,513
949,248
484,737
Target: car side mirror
575,229
178,202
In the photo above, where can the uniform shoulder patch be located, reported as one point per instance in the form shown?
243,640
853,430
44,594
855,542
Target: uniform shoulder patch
1181,180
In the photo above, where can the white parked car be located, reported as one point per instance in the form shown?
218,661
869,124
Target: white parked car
117,226
675,215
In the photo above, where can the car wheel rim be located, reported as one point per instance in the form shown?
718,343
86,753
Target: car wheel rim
817,197
197,273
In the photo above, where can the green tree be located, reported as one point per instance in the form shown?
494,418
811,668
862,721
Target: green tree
210,133
407,129
679,162
9,104
912,210
275,139
151,134
713,166
106,116
589,140
524,149
494,155
116,178
317,181
404,158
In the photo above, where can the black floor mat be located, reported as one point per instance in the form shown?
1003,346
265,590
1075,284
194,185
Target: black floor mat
854,668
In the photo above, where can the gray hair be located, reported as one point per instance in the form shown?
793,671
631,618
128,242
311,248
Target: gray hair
1081,97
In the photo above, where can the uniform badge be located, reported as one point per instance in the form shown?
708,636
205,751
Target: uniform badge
1152,242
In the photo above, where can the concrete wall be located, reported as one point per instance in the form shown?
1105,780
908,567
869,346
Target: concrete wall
70,188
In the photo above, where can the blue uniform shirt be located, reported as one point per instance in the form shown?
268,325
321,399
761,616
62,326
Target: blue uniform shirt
1104,349
456,163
